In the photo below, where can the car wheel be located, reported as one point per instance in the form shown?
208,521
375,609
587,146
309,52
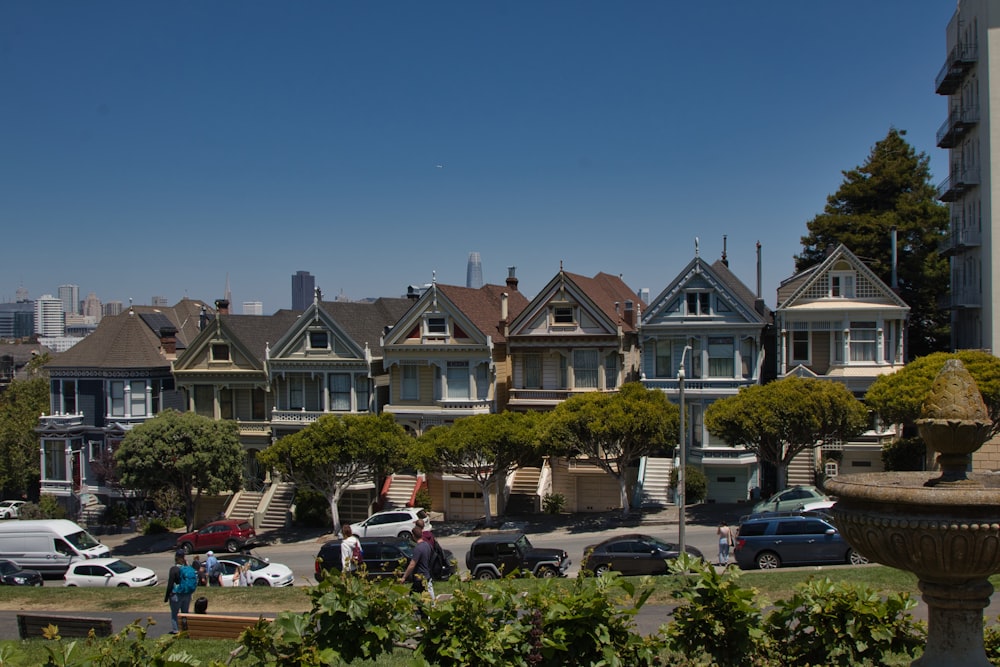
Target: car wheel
603,568
405,534
70,585
123,585
232,546
854,558
187,547
261,582
485,575
547,572
768,560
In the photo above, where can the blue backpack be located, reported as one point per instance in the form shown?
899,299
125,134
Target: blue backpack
187,580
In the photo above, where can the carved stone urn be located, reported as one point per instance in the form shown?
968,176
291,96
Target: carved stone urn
944,527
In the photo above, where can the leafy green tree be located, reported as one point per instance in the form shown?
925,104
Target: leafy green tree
482,448
891,190
20,406
898,397
614,430
778,420
336,451
182,451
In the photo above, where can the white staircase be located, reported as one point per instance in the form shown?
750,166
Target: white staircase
244,505
276,513
802,469
400,491
523,497
656,491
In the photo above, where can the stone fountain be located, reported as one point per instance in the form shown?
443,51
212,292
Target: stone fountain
944,527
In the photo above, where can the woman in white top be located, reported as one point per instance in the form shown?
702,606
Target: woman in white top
348,561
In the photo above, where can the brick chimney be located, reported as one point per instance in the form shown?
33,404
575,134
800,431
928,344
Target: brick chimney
222,306
511,278
630,313
168,340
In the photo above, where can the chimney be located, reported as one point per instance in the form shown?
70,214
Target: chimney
503,313
630,313
222,306
168,340
725,258
895,277
759,281
511,278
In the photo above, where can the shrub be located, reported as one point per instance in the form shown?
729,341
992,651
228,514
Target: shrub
905,454
312,509
553,503
695,484
423,499
155,527
48,507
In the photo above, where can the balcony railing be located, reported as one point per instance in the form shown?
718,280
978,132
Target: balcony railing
958,183
699,384
253,427
966,298
959,61
549,395
961,239
959,122
60,421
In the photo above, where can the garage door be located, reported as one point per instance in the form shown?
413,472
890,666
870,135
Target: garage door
465,501
597,493
353,506
727,485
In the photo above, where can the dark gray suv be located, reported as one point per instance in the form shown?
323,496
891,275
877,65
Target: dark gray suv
793,539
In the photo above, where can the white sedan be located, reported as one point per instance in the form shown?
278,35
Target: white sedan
9,509
262,572
109,572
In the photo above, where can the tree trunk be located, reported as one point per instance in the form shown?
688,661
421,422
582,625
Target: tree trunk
485,486
334,501
623,489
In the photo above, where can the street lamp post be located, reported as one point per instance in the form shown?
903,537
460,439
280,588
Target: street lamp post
682,444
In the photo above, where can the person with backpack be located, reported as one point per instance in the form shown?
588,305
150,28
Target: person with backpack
213,570
182,581
351,555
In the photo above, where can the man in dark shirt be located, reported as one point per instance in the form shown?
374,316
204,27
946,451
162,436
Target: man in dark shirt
418,572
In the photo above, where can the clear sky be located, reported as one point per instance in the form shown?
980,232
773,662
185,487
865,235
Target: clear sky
155,148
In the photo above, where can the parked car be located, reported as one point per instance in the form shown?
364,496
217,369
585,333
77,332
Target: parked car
228,535
633,554
10,509
391,523
383,557
262,572
11,574
109,572
790,499
795,539
499,554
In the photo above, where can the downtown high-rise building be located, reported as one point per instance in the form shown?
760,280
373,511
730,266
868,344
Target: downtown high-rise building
112,308
69,295
50,319
253,307
160,302
92,307
968,78
474,271
303,288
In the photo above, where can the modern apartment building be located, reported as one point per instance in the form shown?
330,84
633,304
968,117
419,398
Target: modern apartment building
50,319
972,62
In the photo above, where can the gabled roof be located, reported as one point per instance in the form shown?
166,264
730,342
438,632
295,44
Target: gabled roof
365,322
482,306
604,294
728,287
131,340
798,288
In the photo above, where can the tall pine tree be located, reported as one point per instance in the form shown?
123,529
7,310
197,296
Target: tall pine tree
892,189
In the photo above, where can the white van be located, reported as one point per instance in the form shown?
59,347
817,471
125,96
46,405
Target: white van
48,545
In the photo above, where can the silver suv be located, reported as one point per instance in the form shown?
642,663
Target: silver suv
391,523
791,539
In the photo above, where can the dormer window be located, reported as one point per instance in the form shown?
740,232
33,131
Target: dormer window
220,352
563,315
319,340
436,327
842,284
699,304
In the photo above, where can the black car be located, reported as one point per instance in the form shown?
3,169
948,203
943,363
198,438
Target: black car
795,539
12,575
633,554
499,554
382,557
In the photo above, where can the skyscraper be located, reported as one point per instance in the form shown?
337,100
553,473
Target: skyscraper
474,271
253,307
969,77
113,308
50,319
303,287
69,295
92,307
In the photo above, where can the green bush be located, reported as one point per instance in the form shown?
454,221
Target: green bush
47,507
155,527
423,499
553,503
695,484
312,509
905,454
115,515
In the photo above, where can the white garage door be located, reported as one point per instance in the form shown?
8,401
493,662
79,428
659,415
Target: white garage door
465,501
727,485
597,493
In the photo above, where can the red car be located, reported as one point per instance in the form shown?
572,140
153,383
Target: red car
229,535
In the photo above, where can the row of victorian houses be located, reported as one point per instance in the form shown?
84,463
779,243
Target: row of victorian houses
449,352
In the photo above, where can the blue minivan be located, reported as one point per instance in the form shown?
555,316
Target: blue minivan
768,542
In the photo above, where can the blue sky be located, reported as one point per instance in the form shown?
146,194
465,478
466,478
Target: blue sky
155,148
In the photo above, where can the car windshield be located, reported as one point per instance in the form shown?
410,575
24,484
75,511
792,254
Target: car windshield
655,541
523,542
82,540
255,563
120,566
6,567
7,503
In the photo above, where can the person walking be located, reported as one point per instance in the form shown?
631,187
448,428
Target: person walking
350,551
418,572
725,534
182,581
212,569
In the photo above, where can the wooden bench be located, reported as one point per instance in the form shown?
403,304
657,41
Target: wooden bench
203,626
33,625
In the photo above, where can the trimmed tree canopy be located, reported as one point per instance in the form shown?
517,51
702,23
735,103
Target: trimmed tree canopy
183,451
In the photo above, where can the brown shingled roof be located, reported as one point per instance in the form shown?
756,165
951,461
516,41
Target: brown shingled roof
605,290
482,306
365,321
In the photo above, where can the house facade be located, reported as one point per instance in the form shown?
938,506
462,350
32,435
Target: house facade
115,378
445,359
578,335
709,321
838,321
